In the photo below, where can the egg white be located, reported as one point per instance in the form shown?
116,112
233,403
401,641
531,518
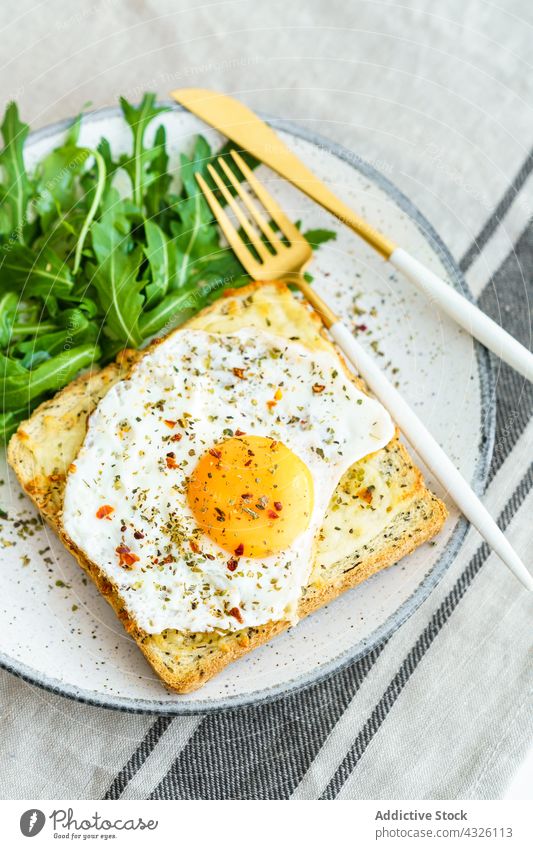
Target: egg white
189,378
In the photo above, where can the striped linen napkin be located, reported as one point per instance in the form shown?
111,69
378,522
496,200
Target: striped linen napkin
441,709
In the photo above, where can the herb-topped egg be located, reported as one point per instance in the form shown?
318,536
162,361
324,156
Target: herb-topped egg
205,476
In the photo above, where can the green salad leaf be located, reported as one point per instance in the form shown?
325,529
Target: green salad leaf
16,187
116,282
33,274
319,237
101,250
163,257
138,164
49,376
9,302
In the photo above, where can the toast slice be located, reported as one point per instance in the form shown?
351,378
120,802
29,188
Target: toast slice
380,511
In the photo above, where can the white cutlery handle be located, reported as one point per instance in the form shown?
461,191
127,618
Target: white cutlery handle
430,451
466,314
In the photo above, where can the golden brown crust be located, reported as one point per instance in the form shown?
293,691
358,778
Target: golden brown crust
185,662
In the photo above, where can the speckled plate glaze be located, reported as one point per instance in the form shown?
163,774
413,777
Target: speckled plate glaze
59,633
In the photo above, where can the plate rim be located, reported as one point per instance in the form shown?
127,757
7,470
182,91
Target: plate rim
439,568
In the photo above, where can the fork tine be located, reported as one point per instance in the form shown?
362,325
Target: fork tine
243,254
276,213
258,245
254,211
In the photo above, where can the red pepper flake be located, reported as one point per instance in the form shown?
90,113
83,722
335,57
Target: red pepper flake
215,453
361,327
169,558
194,546
273,445
171,460
239,551
272,515
278,505
209,556
170,423
126,556
239,372
365,494
236,613
248,463
240,432
318,388
271,404
176,437
105,511
72,468
232,565
138,535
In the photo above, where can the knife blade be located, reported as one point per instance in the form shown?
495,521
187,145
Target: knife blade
234,120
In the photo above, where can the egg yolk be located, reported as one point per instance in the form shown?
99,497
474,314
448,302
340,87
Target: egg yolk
252,495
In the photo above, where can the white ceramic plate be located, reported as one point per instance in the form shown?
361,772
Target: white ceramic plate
58,632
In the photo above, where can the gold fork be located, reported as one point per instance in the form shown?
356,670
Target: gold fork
266,256
287,258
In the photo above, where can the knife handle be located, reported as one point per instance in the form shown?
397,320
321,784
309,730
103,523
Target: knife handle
465,313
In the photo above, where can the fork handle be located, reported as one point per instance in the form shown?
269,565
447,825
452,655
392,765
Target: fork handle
465,313
430,451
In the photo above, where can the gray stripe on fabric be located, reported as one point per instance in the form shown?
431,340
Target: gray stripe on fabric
262,752
422,645
490,226
508,299
144,749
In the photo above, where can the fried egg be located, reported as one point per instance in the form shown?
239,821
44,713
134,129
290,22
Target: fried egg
205,476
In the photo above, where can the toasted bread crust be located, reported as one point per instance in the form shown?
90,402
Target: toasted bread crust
186,661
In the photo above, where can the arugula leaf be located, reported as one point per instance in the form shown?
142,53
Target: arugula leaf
15,194
196,163
118,212
159,179
35,275
56,186
115,280
20,387
217,271
75,329
104,149
8,311
194,232
319,236
9,422
162,255
138,164
10,368
169,311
